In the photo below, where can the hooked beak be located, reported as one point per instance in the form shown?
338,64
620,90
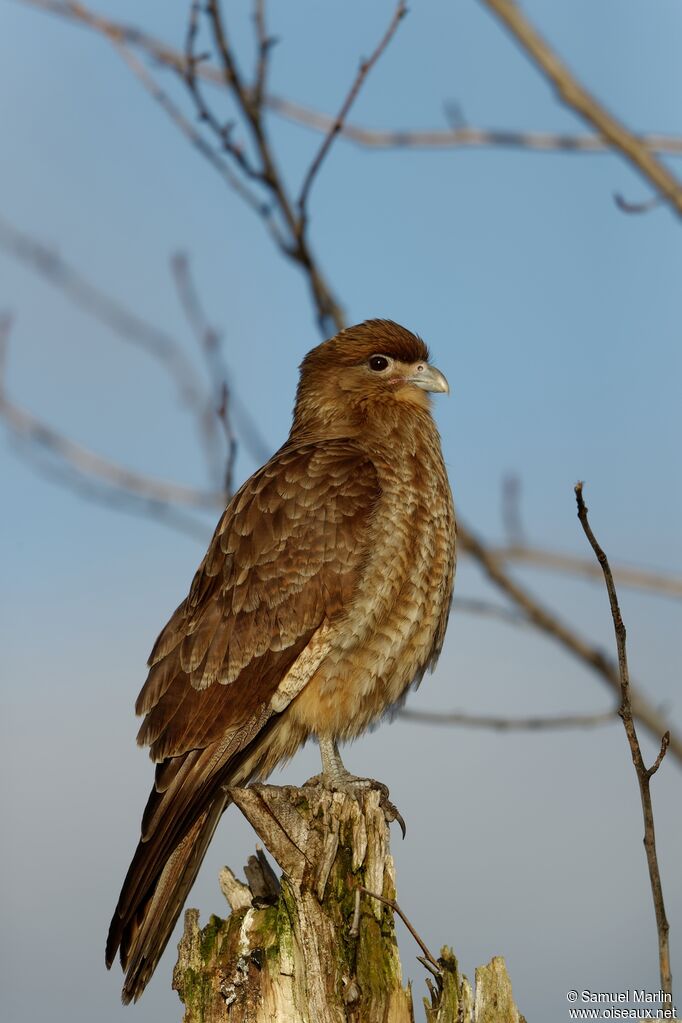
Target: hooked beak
428,378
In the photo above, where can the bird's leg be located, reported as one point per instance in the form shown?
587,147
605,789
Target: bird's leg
337,778
334,774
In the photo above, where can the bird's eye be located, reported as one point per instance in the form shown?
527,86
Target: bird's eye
378,363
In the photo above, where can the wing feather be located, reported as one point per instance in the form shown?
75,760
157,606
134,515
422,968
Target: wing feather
285,556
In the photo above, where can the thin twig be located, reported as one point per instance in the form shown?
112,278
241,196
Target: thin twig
221,129
665,742
364,69
644,774
264,43
637,207
227,402
510,724
209,341
199,142
295,247
392,904
574,95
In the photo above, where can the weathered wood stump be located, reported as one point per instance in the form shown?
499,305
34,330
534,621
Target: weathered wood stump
310,948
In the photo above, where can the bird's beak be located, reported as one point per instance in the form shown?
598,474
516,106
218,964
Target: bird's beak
428,378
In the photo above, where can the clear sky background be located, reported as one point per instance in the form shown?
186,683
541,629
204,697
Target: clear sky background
556,319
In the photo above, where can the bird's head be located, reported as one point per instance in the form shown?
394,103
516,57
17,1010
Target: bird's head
375,368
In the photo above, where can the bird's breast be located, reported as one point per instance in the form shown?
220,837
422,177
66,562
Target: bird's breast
394,626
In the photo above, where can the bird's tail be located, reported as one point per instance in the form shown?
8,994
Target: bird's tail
143,933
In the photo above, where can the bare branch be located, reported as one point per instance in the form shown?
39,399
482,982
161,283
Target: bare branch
133,329
573,564
487,609
461,136
73,466
130,327
575,96
643,774
222,130
109,311
198,141
364,69
227,404
120,501
296,248
114,31
392,904
265,43
510,724
125,36
89,464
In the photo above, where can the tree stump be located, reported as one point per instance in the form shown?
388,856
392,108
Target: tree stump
309,947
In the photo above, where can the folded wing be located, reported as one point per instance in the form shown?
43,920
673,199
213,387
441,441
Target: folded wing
283,563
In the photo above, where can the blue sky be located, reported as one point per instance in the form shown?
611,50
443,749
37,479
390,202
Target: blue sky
555,318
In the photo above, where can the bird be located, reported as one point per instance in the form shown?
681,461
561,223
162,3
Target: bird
324,595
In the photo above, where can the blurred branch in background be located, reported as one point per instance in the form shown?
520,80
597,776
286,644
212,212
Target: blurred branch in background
511,511
461,136
573,564
81,469
91,466
573,94
250,167
196,139
644,774
517,549
261,167
128,325
201,401
505,724
548,622
258,165
210,345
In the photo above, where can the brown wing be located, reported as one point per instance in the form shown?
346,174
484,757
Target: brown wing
285,558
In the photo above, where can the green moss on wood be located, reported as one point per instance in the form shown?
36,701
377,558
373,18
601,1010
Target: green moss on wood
196,992
210,933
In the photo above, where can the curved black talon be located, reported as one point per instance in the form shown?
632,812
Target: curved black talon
392,813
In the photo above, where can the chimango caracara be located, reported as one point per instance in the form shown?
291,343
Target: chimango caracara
324,594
